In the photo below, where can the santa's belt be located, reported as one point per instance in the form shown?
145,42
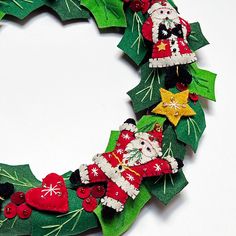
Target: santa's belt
125,166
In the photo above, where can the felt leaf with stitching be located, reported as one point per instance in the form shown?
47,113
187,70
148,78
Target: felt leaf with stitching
132,42
203,82
2,14
107,13
122,221
20,8
148,122
68,9
76,221
190,129
20,176
147,92
166,187
196,39
112,140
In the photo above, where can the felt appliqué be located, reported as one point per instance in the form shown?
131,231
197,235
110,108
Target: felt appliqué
174,106
52,196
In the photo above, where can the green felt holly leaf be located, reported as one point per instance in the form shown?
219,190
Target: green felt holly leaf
20,176
76,221
172,3
166,187
15,226
2,14
20,8
147,92
171,145
112,140
196,39
203,82
132,42
148,122
190,129
107,13
66,178
68,9
121,222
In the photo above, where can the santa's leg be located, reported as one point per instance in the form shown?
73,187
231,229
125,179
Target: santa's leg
114,201
184,76
171,77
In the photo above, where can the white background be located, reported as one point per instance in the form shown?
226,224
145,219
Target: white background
63,88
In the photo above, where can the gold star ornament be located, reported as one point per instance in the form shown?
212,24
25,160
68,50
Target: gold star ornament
174,106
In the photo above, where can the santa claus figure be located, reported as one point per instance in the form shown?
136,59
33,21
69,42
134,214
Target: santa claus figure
168,32
137,155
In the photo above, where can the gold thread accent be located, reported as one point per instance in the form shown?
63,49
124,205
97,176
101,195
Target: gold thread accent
124,166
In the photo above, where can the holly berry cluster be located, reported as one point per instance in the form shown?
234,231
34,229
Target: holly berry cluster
17,207
91,196
138,5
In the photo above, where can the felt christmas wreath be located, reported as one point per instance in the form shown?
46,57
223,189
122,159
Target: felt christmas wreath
144,158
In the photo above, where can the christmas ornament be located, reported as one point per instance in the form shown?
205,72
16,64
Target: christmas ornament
144,159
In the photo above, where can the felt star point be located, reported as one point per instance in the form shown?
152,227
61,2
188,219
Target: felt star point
174,106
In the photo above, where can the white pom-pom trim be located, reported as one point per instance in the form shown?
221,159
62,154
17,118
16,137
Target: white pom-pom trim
83,170
110,202
173,163
129,127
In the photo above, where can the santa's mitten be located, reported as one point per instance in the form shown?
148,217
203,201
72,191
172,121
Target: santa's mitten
75,178
180,163
184,76
108,212
130,125
171,77
6,190
175,163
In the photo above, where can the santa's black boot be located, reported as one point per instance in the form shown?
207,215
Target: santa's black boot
171,77
6,190
108,213
75,178
130,121
184,76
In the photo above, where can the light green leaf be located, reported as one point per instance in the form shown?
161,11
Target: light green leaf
196,39
112,140
132,42
68,9
166,187
2,14
190,129
148,122
107,13
147,92
203,82
122,222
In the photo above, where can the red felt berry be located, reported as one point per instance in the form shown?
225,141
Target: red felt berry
194,97
145,6
89,204
181,87
98,191
83,192
136,5
10,210
18,198
24,211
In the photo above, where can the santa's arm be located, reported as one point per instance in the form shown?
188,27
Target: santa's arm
160,166
186,25
147,29
87,174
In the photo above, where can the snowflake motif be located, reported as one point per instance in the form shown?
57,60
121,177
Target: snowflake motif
164,32
130,177
173,104
126,136
120,151
95,171
50,190
157,167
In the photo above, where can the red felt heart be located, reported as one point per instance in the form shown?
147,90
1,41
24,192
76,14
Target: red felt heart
52,196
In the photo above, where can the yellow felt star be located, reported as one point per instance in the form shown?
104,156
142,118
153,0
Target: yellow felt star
174,106
162,46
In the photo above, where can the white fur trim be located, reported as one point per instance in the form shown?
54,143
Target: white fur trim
83,170
178,59
113,174
157,5
129,127
173,163
110,202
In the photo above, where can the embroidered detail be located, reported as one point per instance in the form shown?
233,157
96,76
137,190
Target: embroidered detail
130,177
173,163
95,171
126,136
157,167
50,190
83,170
110,202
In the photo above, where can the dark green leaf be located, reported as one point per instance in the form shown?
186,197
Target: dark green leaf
190,129
203,82
196,39
132,42
68,9
147,92
107,13
167,186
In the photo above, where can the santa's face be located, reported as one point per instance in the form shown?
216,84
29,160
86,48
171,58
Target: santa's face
139,151
164,13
